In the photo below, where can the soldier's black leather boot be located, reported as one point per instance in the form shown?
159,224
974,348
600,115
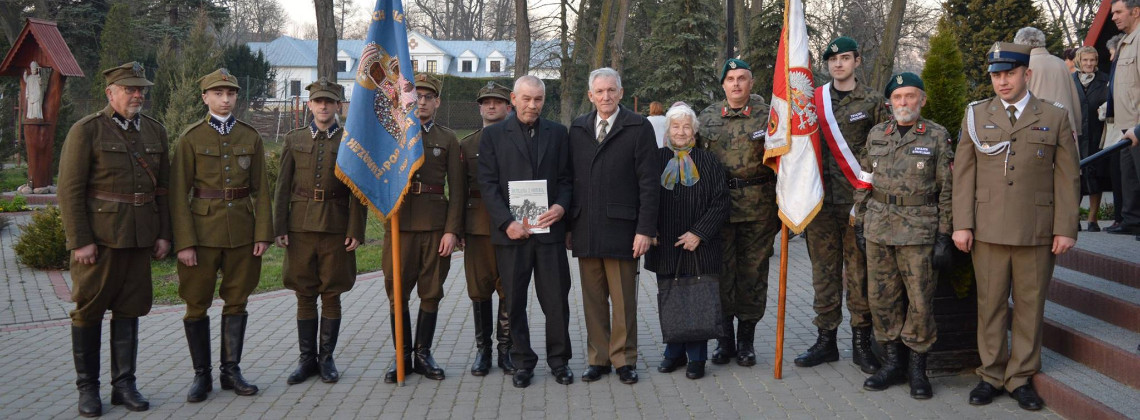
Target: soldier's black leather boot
423,363
745,350
919,384
725,344
503,336
861,353
85,343
233,339
484,323
124,355
307,343
824,350
406,352
892,370
330,332
198,339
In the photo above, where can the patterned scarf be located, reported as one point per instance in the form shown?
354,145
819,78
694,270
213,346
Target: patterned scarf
680,168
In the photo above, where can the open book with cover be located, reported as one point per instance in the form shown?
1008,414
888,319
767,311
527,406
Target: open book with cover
528,201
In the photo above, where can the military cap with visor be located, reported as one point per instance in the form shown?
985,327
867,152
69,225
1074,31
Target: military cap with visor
129,74
1006,55
903,79
839,46
426,81
322,88
220,78
494,90
733,64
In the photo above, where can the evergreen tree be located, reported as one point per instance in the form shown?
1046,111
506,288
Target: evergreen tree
686,64
978,24
945,81
117,42
252,70
199,57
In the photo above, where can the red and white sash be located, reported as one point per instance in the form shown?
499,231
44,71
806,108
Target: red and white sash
836,143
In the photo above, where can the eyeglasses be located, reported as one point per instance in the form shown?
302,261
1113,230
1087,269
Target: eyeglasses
131,90
427,96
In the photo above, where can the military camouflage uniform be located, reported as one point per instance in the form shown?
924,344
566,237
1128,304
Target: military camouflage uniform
830,236
909,206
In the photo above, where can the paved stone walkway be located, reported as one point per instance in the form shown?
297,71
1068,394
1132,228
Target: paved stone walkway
38,375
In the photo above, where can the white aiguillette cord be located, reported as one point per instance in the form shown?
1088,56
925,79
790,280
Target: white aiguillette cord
988,150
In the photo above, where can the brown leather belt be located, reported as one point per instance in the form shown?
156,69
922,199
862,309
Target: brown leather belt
474,193
225,193
135,199
734,183
317,194
421,188
904,200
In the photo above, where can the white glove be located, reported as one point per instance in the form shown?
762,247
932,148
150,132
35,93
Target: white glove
1101,111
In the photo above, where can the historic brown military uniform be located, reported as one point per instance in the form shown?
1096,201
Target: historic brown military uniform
1016,188
425,216
317,212
220,206
112,193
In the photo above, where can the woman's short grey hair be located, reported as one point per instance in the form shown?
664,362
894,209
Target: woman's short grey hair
1114,42
604,72
680,110
530,81
1030,36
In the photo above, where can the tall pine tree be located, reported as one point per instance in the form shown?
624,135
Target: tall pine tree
117,41
199,57
686,62
945,81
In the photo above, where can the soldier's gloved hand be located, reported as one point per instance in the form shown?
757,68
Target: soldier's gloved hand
860,240
942,251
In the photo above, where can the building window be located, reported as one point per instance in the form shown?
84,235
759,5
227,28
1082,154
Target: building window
341,66
431,66
416,65
467,64
496,66
294,88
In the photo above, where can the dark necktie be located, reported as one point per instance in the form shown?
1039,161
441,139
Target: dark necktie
1012,114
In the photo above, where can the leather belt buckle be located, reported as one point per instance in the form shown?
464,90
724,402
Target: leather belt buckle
318,195
138,199
415,187
228,194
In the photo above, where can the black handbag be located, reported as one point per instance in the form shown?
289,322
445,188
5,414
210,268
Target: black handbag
689,306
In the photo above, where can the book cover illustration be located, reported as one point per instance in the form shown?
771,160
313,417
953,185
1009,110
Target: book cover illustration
528,201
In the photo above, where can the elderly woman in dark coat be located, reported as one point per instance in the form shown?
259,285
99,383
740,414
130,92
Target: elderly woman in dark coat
693,206
1092,92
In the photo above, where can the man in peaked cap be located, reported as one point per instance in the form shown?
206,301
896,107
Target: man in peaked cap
221,214
112,194
837,263
906,216
430,225
734,131
320,223
479,263
1015,210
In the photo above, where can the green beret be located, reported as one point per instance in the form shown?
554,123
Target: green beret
733,64
903,80
220,78
494,90
322,88
129,74
839,46
426,81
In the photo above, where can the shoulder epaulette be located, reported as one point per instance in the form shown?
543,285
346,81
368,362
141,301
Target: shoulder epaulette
472,134
193,125
88,118
152,119
977,102
1058,105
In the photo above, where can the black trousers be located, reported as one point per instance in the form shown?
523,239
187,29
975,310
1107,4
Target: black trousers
551,272
1130,186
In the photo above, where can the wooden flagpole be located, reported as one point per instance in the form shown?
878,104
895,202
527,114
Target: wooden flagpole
779,368
398,299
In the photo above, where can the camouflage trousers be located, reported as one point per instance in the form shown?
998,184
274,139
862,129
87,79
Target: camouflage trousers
744,281
836,263
901,292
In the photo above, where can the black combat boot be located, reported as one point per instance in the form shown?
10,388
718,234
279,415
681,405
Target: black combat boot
423,363
861,353
233,339
484,323
919,384
725,345
406,352
745,350
824,350
307,342
198,338
330,331
124,355
85,343
503,336
892,370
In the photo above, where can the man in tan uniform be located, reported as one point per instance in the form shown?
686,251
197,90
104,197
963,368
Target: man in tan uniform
113,175
430,225
221,214
1015,203
479,261
320,223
